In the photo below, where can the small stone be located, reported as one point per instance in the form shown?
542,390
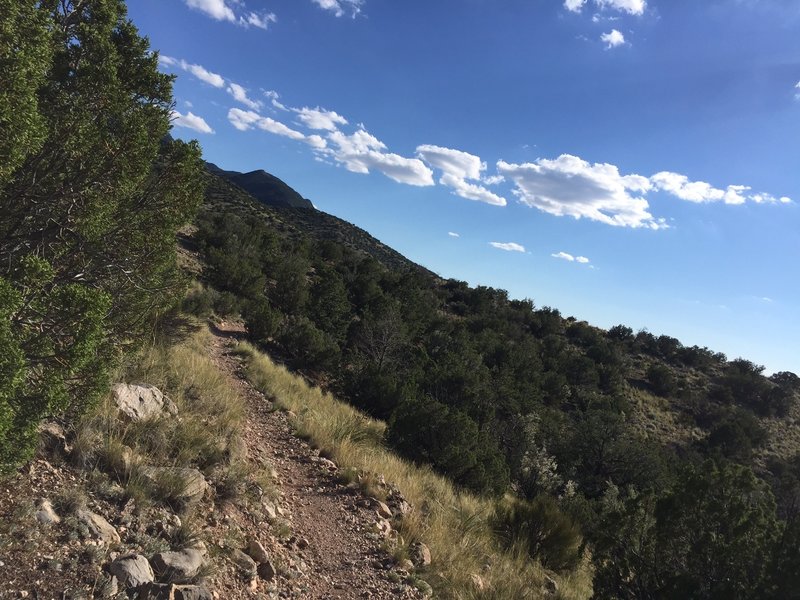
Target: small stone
178,567
132,570
383,510
266,571
406,565
421,555
478,582
98,526
45,513
302,543
244,563
257,552
550,585
110,588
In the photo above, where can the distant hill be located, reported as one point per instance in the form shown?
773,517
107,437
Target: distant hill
264,187
230,190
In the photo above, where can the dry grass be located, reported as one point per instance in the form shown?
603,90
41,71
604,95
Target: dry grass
204,435
454,524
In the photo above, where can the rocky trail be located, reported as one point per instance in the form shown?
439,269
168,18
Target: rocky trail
335,527
303,534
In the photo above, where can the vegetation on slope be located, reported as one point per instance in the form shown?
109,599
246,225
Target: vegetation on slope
90,198
603,429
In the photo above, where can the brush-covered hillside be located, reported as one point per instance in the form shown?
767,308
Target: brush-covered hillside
210,389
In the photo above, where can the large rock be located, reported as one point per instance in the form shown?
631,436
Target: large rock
244,563
178,567
98,526
169,591
138,402
132,570
256,551
185,484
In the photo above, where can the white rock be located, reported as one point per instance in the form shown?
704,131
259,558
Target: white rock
138,402
45,513
98,526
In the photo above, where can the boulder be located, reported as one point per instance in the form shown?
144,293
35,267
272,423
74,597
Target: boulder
98,526
45,513
132,570
179,566
139,402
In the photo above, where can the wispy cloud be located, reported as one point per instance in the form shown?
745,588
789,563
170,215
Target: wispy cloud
570,258
190,121
240,95
701,192
453,234
198,71
233,11
457,168
613,39
341,8
797,91
245,120
508,246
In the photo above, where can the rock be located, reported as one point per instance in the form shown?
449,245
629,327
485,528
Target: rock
421,555
53,439
138,402
550,585
302,543
189,484
132,570
269,510
98,526
45,513
110,588
478,582
405,565
266,571
383,510
404,508
383,527
178,567
191,592
257,552
244,563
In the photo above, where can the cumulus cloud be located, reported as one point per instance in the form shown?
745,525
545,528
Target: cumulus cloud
453,234
361,151
222,10
508,246
571,186
198,71
613,39
245,120
190,121
457,168
341,7
319,118
632,7
240,95
570,258
274,99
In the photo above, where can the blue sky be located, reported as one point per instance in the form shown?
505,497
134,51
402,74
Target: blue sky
625,161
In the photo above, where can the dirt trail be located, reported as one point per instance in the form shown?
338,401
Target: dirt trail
343,558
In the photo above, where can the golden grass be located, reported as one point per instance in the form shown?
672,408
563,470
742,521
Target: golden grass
454,524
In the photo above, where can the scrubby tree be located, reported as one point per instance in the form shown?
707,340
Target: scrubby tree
91,195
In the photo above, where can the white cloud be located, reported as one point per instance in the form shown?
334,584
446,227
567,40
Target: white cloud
612,39
508,246
278,128
316,141
453,234
632,7
319,118
457,167
570,186
797,91
274,99
240,95
574,5
190,121
222,10
701,192
244,120
570,258
198,71
582,259
361,151
341,7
